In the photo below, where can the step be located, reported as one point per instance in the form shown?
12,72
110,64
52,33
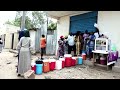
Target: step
29,74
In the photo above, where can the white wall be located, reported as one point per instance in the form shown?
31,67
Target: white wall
8,40
16,35
32,36
62,27
109,23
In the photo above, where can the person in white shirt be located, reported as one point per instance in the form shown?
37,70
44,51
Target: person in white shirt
97,34
71,44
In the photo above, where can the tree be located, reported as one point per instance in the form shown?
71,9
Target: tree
38,18
8,22
17,21
52,26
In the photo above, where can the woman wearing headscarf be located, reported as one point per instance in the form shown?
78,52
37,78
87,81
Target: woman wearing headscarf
61,46
97,33
21,34
91,44
24,47
85,37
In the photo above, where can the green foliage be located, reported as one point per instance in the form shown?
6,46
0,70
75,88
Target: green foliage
8,22
52,26
38,18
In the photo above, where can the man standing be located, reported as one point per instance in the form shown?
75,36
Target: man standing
71,44
42,45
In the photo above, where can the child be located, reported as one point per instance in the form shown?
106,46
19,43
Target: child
42,45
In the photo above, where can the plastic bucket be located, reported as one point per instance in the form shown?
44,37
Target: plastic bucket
76,60
33,67
84,56
39,68
68,60
63,62
46,67
58,65
73,61
80,60
103,61
52,63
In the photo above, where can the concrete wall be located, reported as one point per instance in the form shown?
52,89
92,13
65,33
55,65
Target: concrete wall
32,36
8,41
62,28
109,24
16,35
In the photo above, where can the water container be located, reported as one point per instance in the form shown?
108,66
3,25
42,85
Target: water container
63,62
84,56
39,68
58,65
76,60
46,67
52,63
103,61
39,61
68,60
73,61
80,60
33,66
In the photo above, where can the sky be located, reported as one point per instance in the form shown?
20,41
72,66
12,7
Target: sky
8,15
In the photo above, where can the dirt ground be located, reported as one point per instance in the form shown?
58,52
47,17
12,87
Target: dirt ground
8,70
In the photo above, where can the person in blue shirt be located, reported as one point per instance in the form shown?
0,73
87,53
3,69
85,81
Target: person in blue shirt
90,44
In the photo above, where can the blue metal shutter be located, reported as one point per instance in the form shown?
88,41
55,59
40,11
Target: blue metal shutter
83,22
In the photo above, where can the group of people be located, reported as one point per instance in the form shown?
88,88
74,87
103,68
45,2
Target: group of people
78,43
25,48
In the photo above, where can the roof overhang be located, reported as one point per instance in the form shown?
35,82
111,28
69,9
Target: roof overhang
59,14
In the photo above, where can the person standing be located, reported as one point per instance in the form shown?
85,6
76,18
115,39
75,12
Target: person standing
71,44
1,45
85,36
66,45
97,33
78,42
42,45
91,44
21,34
61,47
24,47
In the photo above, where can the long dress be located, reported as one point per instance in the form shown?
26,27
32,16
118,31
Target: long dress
24,63
78,44
61,48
